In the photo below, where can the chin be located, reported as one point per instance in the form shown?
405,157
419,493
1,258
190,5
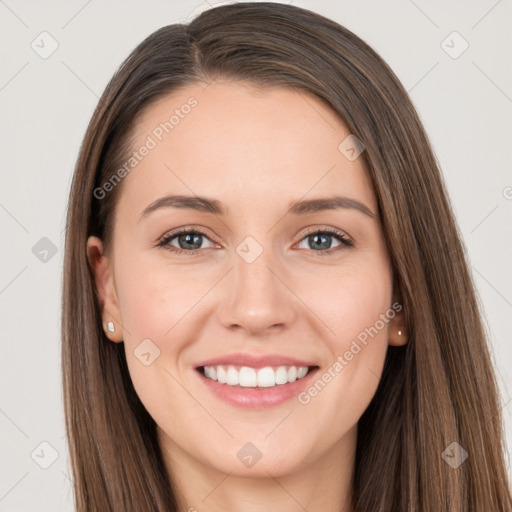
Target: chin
249,461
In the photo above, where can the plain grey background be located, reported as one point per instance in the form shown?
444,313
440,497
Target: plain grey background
463,95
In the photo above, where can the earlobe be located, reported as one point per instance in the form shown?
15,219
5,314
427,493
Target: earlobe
398,333
397,336
105,287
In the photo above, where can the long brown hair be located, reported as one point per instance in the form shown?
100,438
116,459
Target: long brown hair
436,390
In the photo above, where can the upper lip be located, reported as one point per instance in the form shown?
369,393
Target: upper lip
254,361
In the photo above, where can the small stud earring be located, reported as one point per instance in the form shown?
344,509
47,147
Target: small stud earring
399,333
111,327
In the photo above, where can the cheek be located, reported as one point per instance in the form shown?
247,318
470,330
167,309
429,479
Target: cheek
157,305
348,299
356,307
153,299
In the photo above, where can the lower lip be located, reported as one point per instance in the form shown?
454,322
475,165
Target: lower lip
257,398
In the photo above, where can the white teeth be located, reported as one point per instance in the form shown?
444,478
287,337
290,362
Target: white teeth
251,377
222,376
301,372
247,377
266,378
281,375
232,378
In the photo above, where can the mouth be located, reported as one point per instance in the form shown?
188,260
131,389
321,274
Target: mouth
248,377
256,388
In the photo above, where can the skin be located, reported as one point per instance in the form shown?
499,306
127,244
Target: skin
255,151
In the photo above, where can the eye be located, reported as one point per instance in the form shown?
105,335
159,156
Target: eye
186,240
190,241
320,240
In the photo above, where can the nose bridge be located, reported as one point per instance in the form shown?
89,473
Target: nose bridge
257,299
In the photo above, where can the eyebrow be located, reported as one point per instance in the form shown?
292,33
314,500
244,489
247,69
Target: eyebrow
302,207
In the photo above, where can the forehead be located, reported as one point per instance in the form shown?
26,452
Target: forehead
243,145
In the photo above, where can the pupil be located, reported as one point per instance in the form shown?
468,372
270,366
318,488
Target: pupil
186,240
323,246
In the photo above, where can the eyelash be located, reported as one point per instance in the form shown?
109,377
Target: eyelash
343,239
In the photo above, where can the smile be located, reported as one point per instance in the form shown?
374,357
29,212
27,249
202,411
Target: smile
256,388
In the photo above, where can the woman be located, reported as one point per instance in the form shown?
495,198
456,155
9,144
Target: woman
266,301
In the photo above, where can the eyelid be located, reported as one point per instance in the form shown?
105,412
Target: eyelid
326,229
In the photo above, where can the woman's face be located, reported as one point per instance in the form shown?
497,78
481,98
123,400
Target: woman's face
254,291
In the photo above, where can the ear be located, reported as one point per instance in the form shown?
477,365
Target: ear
105,286
398,333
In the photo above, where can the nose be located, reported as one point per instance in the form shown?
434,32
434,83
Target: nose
259,299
